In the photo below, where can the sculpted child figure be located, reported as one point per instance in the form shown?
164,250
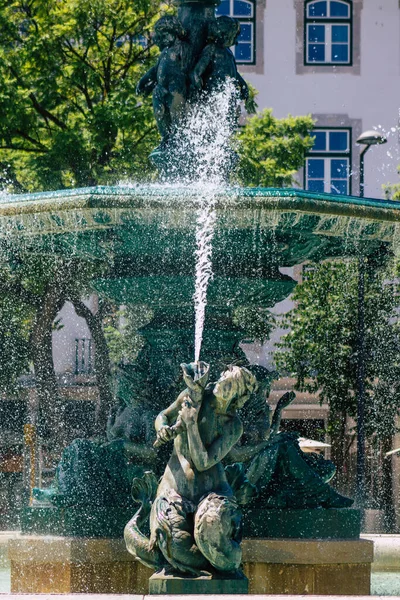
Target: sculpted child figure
217,63
168,78
195,521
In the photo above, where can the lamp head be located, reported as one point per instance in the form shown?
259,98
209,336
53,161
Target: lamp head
371,138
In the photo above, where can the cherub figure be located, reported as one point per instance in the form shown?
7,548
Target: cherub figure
217,63
167,80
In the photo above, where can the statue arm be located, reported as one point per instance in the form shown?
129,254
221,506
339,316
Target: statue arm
168,417
244,88
282,403
247,452
148,82
201,66
204,458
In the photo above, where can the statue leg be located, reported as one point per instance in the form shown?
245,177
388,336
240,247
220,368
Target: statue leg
161,111
176,106
217,531
171,526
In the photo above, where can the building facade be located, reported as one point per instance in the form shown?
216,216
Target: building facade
337,60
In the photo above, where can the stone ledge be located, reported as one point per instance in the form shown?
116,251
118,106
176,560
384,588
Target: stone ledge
39,549
174,597
307,552
161,584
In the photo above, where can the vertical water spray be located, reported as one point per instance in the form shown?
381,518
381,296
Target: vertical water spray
203,253
203,144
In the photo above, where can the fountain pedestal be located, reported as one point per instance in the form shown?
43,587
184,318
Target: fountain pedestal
319,567
62,565
65,565
160,583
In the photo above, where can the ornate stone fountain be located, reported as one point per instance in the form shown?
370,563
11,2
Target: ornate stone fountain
145,236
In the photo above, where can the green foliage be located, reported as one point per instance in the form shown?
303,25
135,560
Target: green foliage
69,115
257,323
32,288
272,150
392,191
121,331
321,348
14,342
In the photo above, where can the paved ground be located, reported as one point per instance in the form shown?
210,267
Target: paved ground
382,584
208,597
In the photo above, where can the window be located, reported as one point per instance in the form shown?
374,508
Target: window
83,356
328,164
328,32
244,12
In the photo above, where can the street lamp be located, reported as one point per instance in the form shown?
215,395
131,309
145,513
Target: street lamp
367,139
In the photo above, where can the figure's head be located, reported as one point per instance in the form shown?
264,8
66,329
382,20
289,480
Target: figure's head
225,31
233,389
167,30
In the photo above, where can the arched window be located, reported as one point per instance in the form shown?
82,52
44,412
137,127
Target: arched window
244,12
328,32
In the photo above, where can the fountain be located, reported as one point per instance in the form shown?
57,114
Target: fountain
145,238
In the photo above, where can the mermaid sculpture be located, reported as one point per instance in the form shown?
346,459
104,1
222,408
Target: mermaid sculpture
195,519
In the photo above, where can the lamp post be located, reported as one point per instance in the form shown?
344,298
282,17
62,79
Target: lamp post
367,139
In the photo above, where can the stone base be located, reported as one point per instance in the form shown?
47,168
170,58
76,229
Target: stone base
160,583
319,567
61,565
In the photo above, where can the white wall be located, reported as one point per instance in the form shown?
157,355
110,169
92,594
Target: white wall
64,339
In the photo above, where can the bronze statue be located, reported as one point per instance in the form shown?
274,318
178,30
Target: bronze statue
195,520
284,476
194,512
195,63
167,80
216,63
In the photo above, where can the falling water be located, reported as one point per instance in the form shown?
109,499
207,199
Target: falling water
203,143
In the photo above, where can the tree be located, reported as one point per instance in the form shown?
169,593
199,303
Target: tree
392,191
69,115
272,150
33,289
321,351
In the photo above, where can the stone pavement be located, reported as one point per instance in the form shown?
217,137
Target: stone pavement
175,597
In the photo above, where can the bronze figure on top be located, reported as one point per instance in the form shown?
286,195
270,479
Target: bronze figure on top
195,62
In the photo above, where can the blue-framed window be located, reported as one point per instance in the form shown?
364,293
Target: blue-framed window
327,167
328,32
244,12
